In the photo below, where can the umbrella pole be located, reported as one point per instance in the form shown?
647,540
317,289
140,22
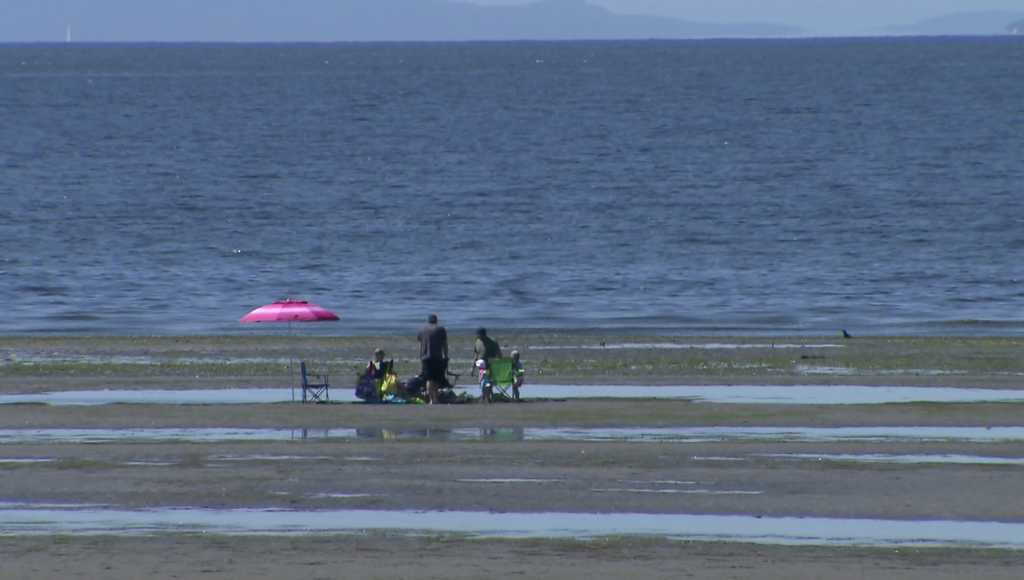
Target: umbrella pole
291,360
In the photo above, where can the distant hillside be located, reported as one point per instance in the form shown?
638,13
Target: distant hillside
960,24
420,20
344,20
575,19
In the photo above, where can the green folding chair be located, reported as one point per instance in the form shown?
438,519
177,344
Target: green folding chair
501,379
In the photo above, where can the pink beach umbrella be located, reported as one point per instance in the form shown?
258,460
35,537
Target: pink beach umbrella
288,310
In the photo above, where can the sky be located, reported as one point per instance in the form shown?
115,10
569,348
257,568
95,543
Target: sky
47,20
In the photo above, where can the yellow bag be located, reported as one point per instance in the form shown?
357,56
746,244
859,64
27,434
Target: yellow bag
389,385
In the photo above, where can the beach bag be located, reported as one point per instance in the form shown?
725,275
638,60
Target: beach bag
366,388
389,385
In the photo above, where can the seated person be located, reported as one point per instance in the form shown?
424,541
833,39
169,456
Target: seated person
517,375
384,379
375,368
416,386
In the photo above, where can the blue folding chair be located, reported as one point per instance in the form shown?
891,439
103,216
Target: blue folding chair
315,387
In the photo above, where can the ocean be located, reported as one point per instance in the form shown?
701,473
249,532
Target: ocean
713,187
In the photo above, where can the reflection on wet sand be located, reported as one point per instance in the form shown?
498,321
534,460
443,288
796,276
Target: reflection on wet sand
483,433
904,459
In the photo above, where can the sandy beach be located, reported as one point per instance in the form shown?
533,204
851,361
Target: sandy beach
427,459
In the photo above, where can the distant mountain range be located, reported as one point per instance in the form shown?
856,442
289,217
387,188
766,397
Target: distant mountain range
963,23
543,20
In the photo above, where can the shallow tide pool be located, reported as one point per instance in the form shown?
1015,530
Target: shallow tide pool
794,395
19,519
604,434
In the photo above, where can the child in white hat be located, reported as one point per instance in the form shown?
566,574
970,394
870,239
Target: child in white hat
485,380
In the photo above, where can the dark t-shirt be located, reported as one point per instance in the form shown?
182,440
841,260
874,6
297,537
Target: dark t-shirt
433,338
487,348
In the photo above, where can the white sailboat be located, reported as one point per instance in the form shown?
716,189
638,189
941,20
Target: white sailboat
69,34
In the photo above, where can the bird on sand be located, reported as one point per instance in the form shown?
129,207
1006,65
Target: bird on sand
846,334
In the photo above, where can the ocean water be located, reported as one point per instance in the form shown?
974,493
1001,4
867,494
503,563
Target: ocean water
691,187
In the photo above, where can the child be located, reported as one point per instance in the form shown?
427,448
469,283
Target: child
485,380
517,375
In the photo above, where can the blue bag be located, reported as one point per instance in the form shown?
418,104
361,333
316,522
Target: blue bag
366,388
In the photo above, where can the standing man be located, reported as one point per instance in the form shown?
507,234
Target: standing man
485,349
433,355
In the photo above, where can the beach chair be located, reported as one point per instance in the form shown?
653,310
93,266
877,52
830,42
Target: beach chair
501,377
451,379
416,387
315,387
446,390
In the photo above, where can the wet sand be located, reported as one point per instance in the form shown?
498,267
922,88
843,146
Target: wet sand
392,464
386,557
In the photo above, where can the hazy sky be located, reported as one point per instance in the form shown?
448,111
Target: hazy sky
178,20
826,17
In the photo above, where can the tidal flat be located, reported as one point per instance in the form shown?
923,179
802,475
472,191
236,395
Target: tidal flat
549,358
344,460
